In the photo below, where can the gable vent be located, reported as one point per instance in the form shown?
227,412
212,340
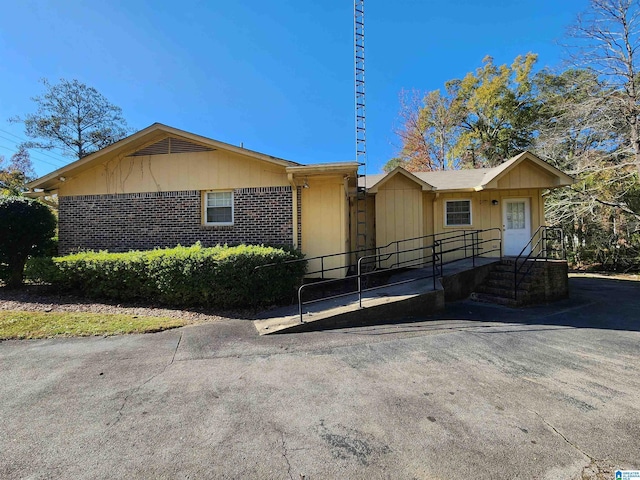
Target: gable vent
171,145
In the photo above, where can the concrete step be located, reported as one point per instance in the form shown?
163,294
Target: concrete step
510,268
508,282
497,299
497,291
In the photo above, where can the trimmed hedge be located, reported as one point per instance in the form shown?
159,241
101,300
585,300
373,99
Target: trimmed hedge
218,276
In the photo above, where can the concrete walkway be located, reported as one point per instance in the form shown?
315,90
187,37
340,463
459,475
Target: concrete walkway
415,296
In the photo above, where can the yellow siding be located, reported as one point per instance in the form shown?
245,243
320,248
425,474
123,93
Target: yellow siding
527,175
399,216
175,172
484,214
325,222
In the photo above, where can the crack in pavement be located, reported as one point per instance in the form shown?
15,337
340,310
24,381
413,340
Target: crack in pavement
284,454
139,387
563,437
593,463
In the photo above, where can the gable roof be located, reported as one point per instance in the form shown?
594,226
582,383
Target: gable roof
473,179
149,138
382,179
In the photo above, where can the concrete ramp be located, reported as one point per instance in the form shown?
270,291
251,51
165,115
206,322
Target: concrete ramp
384,305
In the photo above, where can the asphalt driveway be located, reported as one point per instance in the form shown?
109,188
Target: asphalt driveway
477,392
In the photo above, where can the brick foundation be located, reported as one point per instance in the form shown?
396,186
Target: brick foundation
142,221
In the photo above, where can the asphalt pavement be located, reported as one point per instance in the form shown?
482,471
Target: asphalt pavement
479,391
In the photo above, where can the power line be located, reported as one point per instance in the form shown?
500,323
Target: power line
36,148
13,150
62,163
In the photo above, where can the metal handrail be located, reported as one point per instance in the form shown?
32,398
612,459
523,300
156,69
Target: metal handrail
310,259
436,260
397,243
542,233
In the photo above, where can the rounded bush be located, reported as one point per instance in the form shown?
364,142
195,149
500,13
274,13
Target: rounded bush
26,227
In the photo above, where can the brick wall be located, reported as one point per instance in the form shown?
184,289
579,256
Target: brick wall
141,221
549,282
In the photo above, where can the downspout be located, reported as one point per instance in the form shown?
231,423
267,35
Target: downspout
433,213
294,198
347,240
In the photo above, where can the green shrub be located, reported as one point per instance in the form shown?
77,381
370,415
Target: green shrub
218,276
26,227
42,270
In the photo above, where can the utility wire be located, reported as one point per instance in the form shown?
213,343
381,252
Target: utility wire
60,159
61,163
13,150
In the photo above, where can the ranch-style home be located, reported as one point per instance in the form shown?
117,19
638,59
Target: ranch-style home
163,186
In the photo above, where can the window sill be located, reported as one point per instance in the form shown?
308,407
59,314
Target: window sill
220,227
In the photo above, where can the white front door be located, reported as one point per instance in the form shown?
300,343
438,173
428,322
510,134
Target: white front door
516,219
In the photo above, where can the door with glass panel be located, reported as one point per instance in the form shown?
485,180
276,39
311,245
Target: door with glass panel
516,219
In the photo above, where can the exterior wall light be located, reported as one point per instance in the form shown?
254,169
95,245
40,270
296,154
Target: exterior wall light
494,202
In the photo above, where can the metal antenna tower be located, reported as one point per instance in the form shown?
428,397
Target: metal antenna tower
361,138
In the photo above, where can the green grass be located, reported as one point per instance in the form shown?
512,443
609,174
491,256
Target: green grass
20,325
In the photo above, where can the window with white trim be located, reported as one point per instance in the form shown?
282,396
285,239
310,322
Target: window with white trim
457,213
218,208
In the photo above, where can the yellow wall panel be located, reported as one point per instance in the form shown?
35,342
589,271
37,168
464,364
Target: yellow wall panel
399,216
325,223
173,172
527,175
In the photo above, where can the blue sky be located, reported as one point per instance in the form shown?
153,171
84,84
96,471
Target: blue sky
275,75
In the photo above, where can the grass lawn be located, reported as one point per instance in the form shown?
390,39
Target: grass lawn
19,324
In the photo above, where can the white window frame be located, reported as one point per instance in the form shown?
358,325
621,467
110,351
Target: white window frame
446,222
205,207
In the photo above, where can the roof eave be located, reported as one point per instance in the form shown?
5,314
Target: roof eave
324,169
562,178
51,180
426,187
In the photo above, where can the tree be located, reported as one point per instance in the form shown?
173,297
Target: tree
26,226
606,41
581,132
498,110
73,117
393,163
16,173
428,130
576,120
481,120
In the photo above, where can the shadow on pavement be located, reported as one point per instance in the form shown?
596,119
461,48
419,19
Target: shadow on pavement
594,302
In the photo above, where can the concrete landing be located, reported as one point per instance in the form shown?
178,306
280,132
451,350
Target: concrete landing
382,305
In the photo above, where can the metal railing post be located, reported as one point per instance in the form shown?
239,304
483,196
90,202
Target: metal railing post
360,282
433,264
464,241
515,279
474,243
322,267
300,303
